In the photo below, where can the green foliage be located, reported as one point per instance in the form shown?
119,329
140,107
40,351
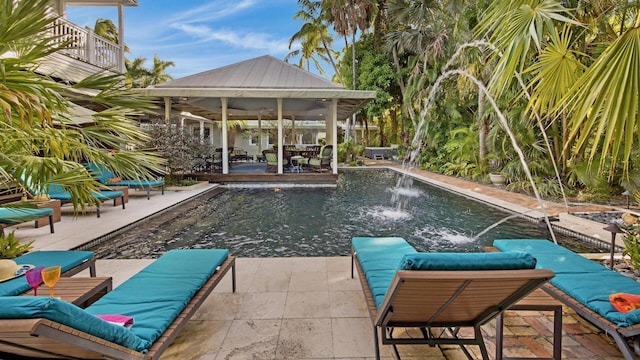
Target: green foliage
462,169
547,187
39,139
344,149
181,182
10,247
358,150
182,150
632,248
374,71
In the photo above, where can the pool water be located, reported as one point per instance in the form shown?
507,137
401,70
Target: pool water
321,221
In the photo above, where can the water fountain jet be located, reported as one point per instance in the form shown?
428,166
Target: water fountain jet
417,140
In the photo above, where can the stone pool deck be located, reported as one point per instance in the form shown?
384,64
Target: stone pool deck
310,308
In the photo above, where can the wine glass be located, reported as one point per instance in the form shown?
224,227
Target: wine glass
34,278
50,277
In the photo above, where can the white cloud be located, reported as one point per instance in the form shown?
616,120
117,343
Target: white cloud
213,10
248,40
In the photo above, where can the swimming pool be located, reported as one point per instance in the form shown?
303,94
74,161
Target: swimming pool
320,221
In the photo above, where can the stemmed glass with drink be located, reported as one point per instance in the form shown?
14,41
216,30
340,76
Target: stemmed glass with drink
34,278
50,277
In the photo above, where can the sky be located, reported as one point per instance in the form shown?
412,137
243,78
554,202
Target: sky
200,35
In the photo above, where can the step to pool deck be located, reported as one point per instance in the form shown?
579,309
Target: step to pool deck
310,308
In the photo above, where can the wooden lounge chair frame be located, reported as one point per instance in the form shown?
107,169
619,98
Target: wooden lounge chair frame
414,300
620,335
50,216
46,338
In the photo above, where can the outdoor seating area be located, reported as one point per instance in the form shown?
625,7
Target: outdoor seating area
439,293
58,193
180,281
109,178
302,308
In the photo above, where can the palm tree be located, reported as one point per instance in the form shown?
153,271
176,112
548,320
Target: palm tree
347,17
137,76
40,143
140,77
587,87
107,29
312,33
159,70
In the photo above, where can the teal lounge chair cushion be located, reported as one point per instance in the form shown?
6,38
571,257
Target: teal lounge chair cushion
157,294
33,307
551,256
66,259
585,280
468,261
137,183
379,258
107,194
104,175
57,192
18,215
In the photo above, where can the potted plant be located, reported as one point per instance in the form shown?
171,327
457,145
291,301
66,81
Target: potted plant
497,179
495,172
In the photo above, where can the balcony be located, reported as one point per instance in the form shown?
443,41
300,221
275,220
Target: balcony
84,53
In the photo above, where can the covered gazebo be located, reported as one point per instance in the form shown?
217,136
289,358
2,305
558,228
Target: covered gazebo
263,88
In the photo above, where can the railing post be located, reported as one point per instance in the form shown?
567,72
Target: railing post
91,46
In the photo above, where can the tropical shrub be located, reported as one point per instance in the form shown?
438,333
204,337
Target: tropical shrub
631,252
10,247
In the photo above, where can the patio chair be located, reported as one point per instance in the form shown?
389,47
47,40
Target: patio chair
109,178
323,160
161,298
71,262
272,161
438,293
56,191
17,215
584,286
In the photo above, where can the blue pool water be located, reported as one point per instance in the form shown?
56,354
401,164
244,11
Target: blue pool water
321,221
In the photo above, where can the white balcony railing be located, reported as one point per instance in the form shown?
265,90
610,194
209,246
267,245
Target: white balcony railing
85,45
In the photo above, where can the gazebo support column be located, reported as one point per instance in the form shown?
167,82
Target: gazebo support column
259,133
280,152
225,142
334,135
167,110
201,131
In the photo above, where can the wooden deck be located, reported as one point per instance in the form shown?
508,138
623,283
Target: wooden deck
287,178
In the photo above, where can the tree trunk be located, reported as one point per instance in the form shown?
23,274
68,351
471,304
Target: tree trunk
393,138
483,129
366,131
381,130
396,62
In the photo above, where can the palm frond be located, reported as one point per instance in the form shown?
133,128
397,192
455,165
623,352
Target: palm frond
604,103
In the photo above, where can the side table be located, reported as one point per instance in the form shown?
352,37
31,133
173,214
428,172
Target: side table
538,300
81,291
52,204
125,192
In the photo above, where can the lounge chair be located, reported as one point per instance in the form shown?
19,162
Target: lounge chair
272,161
161,298
71,262
438,293
57,192
17,215
584,286
109,178
323,160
